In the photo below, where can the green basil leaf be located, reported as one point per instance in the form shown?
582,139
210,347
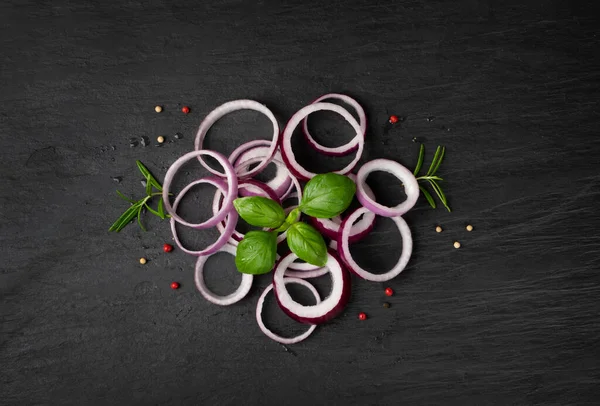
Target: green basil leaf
307,244
327,195
260,211
257,252
291,218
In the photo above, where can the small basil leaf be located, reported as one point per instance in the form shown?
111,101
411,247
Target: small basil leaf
307,244
257,252
291,218
260,211
327,195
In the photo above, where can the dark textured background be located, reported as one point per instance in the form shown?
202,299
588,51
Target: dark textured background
511,318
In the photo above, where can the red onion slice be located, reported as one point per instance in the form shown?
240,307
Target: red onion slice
232,298
286,140
331,227
411,187
351,146
251,187
232,186
230,107
226,233
343,247
306,274
254,152
269,333
280,184
325,310
244,148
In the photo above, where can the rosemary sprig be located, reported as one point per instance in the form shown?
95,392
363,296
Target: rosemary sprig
137,207
430,177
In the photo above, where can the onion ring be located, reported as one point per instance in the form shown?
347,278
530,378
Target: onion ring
231,220
269,333
230,107
232,185
251,187
232,298
411,187
325,310
345,149
286,146
315,273
344,249
255,151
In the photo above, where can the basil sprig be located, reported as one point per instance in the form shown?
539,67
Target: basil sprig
324,196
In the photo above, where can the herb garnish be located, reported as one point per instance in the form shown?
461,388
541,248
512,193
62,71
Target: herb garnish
325,196
430,177
136,208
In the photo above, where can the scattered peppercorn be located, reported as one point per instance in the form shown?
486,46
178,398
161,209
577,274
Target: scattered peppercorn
167,248
456,244
362,316
438,229
160,139
386,305
394,119
389,291
469,228
185,109
158,109
175,285
143,261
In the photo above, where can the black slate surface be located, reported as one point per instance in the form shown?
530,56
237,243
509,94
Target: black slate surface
510,318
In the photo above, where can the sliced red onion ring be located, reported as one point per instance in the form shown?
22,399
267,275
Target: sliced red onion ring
226,233
351,146
286,139
344,248
280,184
289,192
411,187
227,108
331,228
232,298
254,152
306,274
269,333
319,313
251,187
232,186
244,148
